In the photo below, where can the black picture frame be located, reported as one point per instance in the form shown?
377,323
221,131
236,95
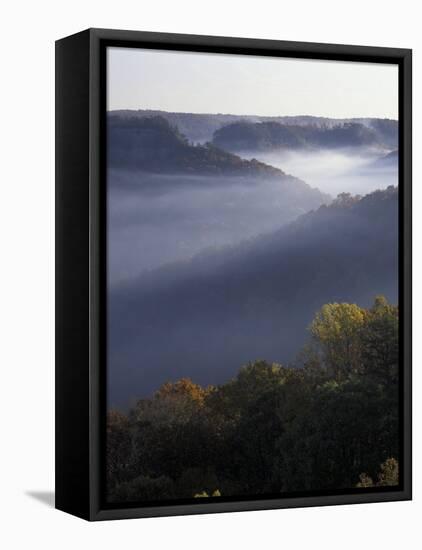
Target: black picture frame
81,256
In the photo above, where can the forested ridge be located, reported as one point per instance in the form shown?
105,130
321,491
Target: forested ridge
201,127
246,136
227,306
152,144
329,421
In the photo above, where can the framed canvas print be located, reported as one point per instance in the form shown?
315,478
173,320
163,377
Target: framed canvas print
233,274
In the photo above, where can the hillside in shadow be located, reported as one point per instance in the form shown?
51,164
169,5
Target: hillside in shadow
206,316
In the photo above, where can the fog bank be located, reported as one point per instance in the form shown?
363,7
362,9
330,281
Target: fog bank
334,171
157,219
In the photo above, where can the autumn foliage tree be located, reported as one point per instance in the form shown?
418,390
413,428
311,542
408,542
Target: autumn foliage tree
329,422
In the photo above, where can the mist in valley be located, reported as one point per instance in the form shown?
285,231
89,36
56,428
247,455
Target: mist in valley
354,170
205,317
158,219
216,259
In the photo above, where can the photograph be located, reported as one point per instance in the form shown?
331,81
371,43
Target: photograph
210,237
253,261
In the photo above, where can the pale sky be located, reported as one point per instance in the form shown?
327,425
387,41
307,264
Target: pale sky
249,85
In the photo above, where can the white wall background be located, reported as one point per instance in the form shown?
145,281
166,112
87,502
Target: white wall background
29,29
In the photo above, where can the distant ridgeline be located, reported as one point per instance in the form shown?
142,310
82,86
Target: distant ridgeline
151,144
263,136
201,127
211,320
